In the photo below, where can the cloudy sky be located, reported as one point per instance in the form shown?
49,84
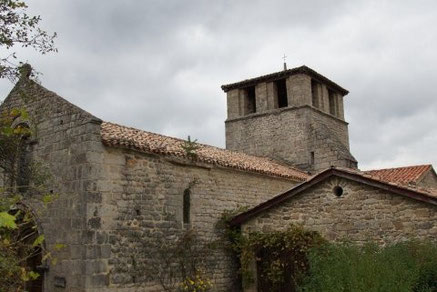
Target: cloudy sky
158,65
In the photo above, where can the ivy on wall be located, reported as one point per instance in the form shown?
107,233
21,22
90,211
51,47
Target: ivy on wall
279,259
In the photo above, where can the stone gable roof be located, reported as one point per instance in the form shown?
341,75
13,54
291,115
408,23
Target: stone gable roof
27,91
282,74
403,175
427,195
125,137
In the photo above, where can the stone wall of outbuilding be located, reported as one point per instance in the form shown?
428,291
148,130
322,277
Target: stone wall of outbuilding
362,213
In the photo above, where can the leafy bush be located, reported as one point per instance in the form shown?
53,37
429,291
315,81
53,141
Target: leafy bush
21,245
402,267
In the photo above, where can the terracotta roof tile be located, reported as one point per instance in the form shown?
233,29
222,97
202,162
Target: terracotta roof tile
403,175
125,137
432,192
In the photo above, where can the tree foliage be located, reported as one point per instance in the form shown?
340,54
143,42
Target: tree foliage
21,179
190,148
17,28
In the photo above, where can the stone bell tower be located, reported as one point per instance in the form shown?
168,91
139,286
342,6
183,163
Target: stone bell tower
295,116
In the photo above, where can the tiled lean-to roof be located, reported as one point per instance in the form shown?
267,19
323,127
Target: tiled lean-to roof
403,175
125,137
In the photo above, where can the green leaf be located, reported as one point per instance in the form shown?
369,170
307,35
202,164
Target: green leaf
24,115
38,240
48,198
59,246
7,131
7,220
33,275
15,112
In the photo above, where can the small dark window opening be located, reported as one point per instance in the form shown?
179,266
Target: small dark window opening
186,206
281,91
312,158
338,191
332,102
249,93
315,93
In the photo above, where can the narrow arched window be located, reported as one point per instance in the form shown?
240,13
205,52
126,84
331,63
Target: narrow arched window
186,206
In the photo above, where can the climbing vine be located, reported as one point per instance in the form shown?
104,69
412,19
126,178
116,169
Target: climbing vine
278,257
183,263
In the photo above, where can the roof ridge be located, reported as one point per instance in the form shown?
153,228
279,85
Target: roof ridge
136,129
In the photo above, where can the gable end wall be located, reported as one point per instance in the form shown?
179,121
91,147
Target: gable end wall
361,214
67,141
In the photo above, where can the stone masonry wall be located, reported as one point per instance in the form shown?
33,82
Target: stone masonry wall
141,196
430,180
281,134
66,139
291,134
361,214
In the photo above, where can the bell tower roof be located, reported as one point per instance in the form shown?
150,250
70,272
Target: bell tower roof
283,74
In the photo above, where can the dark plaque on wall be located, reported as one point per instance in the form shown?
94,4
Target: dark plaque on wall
60,282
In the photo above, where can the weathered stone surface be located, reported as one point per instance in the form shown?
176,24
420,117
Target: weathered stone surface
154,185
111,199
430,180
291,134
110,196
361,214
66,140
301,134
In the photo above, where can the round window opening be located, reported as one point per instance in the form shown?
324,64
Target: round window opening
338,191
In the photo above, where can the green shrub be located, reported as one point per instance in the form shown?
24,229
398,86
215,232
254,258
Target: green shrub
402,267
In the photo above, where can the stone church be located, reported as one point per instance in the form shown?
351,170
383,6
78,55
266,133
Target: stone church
287,159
